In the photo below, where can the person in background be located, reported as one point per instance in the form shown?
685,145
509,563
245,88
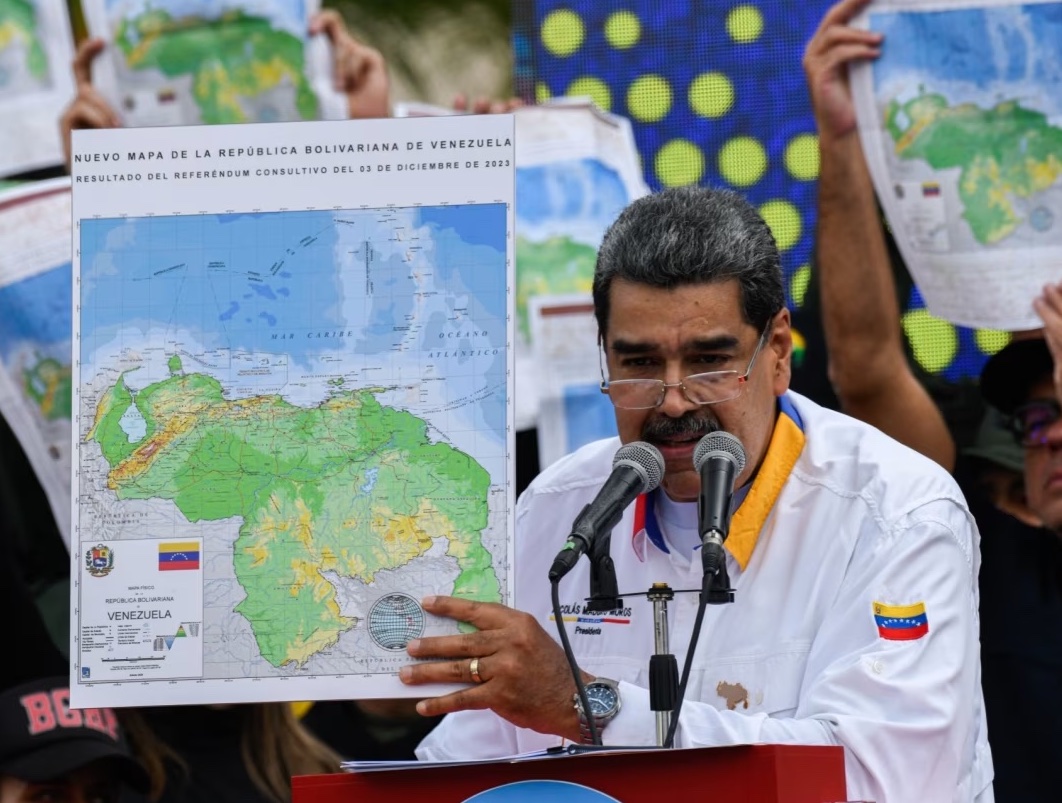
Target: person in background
224,753
35,571
854,559
52,754
861,316
1021,573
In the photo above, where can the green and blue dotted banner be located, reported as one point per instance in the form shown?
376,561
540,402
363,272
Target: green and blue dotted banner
716,94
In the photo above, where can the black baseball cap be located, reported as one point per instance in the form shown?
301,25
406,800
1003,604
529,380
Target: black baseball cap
42,738
1012,371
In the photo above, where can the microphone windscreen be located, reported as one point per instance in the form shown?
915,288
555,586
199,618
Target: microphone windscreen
720,444
645,459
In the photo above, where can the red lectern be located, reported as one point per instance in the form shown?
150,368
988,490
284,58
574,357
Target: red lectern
745,774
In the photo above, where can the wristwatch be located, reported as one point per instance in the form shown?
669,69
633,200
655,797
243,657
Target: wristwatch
603,696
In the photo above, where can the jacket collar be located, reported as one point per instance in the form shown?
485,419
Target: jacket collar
755,501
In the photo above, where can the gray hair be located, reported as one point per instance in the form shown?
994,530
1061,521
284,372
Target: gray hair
692,235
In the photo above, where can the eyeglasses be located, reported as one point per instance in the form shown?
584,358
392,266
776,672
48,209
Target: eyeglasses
707,388
1030,422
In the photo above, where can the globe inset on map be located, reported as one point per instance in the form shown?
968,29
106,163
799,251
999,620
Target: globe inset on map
1041,218
395,620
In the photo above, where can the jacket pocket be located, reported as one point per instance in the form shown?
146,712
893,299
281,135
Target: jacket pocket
768,683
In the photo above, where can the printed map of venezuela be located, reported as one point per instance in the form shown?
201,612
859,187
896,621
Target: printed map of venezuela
1003,152
316,397
229,59
969,104
349,487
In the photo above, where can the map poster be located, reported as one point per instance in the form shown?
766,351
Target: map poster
187,62
36,83
35,329
292,400
577,168
572,409
961,122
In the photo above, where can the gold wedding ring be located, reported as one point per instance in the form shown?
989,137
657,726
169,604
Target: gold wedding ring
473,670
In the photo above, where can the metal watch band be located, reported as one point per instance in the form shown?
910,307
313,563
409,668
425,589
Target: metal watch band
599,721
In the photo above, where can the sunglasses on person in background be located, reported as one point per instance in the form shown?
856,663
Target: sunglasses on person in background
1030,422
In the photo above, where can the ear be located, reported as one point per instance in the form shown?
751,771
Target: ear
780,348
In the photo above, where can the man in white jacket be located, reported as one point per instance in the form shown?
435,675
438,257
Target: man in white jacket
854,559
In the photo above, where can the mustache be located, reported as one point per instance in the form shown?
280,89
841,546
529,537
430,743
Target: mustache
691,425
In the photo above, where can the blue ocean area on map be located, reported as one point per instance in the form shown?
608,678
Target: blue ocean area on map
36,310
305,284
578,189
982,48
589,414
475,224
476,266
184,272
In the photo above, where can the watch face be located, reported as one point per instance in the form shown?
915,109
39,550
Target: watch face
602,699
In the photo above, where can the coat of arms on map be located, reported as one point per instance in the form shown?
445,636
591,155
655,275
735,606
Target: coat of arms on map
99,560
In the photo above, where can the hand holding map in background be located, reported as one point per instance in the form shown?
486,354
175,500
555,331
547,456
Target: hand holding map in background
961,123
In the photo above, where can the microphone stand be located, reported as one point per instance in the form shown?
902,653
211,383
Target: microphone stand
663,668
666,693
713,559
715,590
604,591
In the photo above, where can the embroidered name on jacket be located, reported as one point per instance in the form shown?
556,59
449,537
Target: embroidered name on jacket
901,622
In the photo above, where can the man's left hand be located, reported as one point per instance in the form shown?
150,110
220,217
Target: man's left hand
524,676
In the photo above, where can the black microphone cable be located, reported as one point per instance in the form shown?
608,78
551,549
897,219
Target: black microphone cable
702,606
641,467
577,673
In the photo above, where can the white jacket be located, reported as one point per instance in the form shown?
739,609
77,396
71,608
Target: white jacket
799,657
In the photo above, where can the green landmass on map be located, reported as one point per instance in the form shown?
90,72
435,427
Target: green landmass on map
234,56
349,487
555,266
1004,152
47,383
18,23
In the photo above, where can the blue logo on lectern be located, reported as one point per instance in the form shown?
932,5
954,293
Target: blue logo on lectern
536,791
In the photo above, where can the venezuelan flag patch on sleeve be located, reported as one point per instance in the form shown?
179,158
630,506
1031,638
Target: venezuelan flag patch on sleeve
901,622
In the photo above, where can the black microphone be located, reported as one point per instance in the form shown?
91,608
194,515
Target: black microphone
636,469
718,458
